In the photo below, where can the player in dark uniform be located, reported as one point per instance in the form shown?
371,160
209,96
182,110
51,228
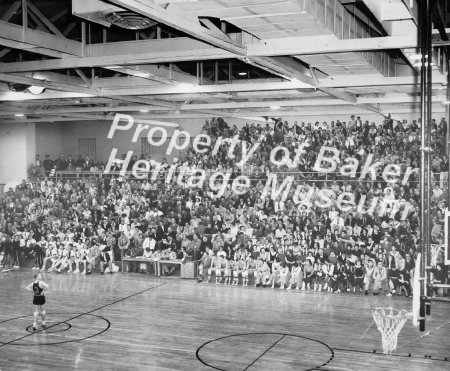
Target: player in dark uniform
38,287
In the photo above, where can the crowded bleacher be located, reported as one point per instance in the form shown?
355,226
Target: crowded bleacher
83,222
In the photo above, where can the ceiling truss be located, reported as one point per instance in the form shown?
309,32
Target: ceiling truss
147,74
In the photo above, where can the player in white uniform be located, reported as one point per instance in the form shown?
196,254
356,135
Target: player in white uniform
249,270
52,254
239,267
262,272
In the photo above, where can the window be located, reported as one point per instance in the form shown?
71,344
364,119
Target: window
87,147
148,149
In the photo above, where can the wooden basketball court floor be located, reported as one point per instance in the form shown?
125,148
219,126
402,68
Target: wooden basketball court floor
139,322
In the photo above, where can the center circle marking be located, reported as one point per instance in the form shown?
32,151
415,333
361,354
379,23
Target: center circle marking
55,327
51,329
247,349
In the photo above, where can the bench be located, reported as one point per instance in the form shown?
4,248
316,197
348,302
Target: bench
172,262
130,264
443,288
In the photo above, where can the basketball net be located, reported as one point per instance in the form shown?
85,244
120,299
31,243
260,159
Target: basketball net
389,321
416,291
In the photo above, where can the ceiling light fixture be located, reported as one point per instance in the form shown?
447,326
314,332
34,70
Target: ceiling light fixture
242,73
36,90
19,114
274,108
143,110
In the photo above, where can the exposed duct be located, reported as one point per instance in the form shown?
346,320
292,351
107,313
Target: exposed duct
106,14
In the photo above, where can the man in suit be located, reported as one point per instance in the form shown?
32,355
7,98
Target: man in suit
48,164
61,163
87,164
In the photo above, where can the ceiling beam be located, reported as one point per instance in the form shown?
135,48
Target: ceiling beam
367,102
113,90
15,36
162,51
301,114
186,49
63,86
375,80
291,69
156,73
305,45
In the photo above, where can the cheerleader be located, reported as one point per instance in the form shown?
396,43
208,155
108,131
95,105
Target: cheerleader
249,270
273,278
296,276
262,272
38,287
285,275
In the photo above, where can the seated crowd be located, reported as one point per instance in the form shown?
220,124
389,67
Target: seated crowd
76,224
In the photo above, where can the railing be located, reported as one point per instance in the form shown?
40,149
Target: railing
302,177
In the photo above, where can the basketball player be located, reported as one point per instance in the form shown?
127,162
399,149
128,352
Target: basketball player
80,257
38,287
239,268
205,264
222,266
249,270
262,272
214,260
52,254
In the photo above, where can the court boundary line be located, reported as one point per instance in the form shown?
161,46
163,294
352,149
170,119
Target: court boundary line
381,354
423,335
85,313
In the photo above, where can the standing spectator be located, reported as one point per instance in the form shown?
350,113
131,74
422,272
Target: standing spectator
443,176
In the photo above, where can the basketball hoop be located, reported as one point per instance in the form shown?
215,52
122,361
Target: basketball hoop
389,321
